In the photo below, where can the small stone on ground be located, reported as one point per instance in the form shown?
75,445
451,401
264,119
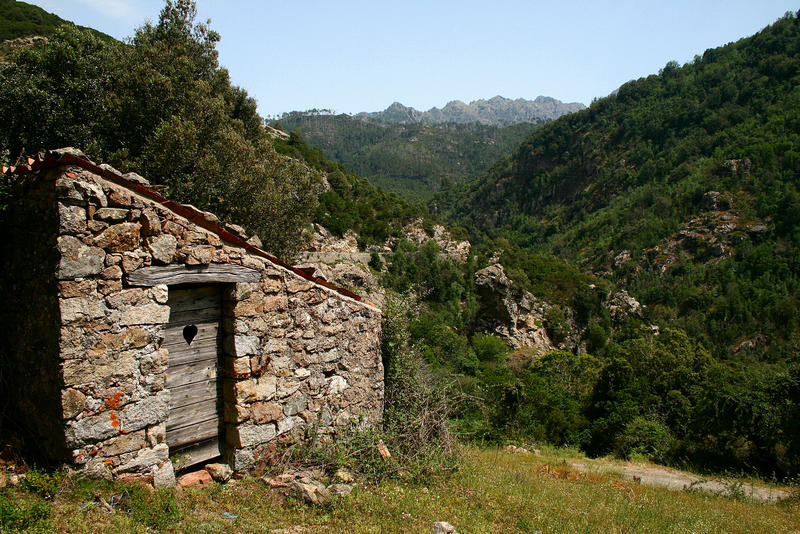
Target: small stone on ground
198,478
220,472
443,527
340,490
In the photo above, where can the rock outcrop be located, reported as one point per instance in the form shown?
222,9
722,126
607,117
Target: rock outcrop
510,313
448,245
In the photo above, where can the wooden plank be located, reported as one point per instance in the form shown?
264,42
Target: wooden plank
183,395
184,356
192,274
201,349
196,453
179,355
182,318
208,339
174,333
204,302
192,413
191,373
193,433
183,297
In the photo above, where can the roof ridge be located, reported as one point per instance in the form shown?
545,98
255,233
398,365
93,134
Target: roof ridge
55,158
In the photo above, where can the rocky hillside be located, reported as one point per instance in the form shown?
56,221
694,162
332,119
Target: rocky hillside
497,111
683,185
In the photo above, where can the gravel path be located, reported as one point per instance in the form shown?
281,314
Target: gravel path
678,480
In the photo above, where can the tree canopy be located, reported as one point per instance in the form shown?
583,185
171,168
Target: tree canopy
162,106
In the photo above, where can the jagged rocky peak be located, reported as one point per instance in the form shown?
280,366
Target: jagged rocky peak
497,110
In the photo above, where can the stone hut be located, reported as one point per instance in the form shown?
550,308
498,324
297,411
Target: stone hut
138,330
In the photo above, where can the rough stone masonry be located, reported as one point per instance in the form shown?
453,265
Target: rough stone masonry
84,367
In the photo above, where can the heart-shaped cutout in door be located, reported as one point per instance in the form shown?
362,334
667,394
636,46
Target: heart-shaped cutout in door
189,332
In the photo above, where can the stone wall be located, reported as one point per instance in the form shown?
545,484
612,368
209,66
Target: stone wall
296,355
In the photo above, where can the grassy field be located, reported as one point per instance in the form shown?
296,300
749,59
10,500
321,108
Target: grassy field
494,492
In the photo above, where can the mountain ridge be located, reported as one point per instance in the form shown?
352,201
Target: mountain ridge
497,111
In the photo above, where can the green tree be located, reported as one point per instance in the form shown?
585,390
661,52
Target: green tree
163,107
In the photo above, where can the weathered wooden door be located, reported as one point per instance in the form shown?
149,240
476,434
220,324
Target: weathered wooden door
193,339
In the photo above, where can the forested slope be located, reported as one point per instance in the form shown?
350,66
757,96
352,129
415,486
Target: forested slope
683,188
413,160
692,174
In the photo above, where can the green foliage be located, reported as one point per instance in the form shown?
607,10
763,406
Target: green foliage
16,515
412,160
417,404
644,438
42,483
489,348
352,203
375,261
596,335
556,324
162,107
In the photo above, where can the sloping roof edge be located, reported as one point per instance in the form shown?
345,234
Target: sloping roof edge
52,159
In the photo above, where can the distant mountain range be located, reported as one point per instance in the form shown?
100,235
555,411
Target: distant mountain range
496,111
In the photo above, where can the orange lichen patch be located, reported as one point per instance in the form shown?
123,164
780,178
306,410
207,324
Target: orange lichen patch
114,401
114,420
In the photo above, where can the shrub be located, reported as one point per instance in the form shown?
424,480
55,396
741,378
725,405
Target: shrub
418,404
43,484
644,437
415,426
489,348
556,324
375,261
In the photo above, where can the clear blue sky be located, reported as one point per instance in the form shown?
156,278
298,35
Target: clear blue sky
354,56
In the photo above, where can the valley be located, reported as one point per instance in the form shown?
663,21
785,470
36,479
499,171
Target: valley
615,285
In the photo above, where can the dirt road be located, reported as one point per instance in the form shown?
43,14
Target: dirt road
679,480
